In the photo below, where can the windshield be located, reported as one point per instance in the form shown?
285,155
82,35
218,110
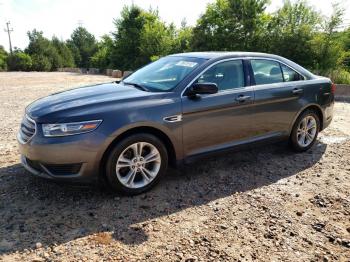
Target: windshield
164,74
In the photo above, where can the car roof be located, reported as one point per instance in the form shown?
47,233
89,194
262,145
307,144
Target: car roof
214,55
223,54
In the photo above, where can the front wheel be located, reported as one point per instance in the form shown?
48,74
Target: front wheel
305,131
136,164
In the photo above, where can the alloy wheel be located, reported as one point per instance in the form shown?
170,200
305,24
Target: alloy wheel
306,131
138,165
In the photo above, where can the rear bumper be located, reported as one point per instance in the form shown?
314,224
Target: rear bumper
327,122
328,115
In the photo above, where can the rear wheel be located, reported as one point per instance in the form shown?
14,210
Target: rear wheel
136,164
305,131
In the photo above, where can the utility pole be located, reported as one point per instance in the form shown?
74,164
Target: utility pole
80,23
8,30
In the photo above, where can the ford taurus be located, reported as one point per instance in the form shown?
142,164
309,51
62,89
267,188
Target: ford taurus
170,111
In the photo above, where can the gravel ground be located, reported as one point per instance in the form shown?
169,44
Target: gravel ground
266,204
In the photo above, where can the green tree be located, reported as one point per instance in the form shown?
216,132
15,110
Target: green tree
3,57
344,39
64,52
19,61
126,53
48,55
141,37
157,39
44,55
230,25
291,31
183,38
75,53
102,58
83,46
328,48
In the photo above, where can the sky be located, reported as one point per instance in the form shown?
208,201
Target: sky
61,17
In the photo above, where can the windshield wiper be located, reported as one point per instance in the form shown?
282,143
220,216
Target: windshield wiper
138,86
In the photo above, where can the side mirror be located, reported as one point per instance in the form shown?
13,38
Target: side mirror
202,89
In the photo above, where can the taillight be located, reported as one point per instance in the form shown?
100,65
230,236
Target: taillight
333,88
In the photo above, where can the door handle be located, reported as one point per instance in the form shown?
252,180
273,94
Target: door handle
297,91
242,98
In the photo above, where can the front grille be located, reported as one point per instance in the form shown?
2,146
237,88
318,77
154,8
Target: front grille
27,129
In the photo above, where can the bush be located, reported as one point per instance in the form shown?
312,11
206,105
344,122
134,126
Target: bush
3,64
41,63
48,55
3,57
340,76
19,61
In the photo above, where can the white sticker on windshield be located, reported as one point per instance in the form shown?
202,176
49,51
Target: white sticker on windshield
186,63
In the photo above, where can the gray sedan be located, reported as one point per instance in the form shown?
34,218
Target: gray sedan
178,108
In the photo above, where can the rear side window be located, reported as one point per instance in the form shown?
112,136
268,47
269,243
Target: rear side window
266,71
227,75
290,75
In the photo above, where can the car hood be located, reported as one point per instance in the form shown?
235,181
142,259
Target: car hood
83,100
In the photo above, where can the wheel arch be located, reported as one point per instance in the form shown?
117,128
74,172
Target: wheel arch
313,107
172,156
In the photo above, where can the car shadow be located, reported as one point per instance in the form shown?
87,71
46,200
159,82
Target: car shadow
36,210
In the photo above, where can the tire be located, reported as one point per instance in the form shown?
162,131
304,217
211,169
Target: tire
134,174
311,118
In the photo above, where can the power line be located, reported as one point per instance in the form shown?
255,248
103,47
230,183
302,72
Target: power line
8,31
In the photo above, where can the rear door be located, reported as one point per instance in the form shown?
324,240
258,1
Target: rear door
278,96
216,121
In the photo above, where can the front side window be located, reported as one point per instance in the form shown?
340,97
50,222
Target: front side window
227,75
290,75
266,72
164,74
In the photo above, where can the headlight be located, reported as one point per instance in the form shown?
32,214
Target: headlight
67,129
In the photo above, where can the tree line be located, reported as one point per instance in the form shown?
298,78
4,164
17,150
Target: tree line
295,31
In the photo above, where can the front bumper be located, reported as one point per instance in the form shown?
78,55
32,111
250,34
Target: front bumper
48,171
72,158
33,170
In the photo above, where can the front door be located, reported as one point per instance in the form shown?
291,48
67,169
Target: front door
219,120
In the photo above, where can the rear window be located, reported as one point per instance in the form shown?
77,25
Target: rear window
290,75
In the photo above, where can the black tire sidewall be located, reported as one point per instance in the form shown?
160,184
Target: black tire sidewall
293,138
111,176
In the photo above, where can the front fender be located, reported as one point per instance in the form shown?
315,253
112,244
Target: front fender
174,134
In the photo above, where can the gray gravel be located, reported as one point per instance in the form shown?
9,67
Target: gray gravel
267,204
